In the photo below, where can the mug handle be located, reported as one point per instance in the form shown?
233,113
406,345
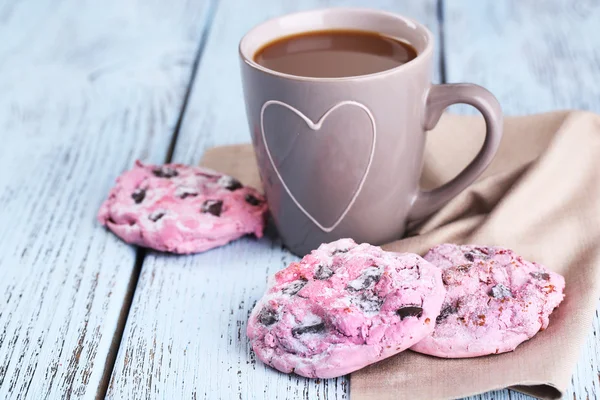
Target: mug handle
438,99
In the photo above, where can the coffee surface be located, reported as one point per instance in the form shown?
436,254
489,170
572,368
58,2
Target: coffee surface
334,54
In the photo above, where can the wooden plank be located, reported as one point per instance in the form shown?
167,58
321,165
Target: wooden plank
534,56
185,335
86,87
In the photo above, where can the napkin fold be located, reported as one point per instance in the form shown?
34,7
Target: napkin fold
540,197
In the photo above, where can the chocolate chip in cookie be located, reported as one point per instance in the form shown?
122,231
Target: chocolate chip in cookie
138,195
410,311
323,272
294,287
446,312
165,172
339,251
542,276
267,316
156,215
366,280
213,207
229,183
184,192
500,292
368,301
252,200
301,330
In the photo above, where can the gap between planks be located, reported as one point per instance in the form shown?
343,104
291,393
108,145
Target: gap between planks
141,252
441,41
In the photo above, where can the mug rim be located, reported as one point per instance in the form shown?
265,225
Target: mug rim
248,59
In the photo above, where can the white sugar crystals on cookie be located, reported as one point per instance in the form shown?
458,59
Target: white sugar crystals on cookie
181,209
495,301
344,306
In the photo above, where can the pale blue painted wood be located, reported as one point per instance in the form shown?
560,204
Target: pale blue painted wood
535,56
85,88
185,335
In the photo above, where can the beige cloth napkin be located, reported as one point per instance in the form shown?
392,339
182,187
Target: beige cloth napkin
540,197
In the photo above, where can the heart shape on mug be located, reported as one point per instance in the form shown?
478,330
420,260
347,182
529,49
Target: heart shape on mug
358,173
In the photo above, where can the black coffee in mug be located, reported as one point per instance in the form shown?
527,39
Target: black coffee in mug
334,54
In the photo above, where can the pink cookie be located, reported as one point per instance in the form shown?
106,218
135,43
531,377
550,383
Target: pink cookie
344,306
495,301
181,209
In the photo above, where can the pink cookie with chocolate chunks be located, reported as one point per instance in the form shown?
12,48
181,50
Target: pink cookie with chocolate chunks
181,209
495,301
342,307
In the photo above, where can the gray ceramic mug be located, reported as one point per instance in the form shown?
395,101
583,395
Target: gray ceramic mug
342,157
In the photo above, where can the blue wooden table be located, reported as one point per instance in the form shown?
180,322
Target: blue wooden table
88,87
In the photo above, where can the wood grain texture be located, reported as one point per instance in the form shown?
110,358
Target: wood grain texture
85,88
185,336
534,56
